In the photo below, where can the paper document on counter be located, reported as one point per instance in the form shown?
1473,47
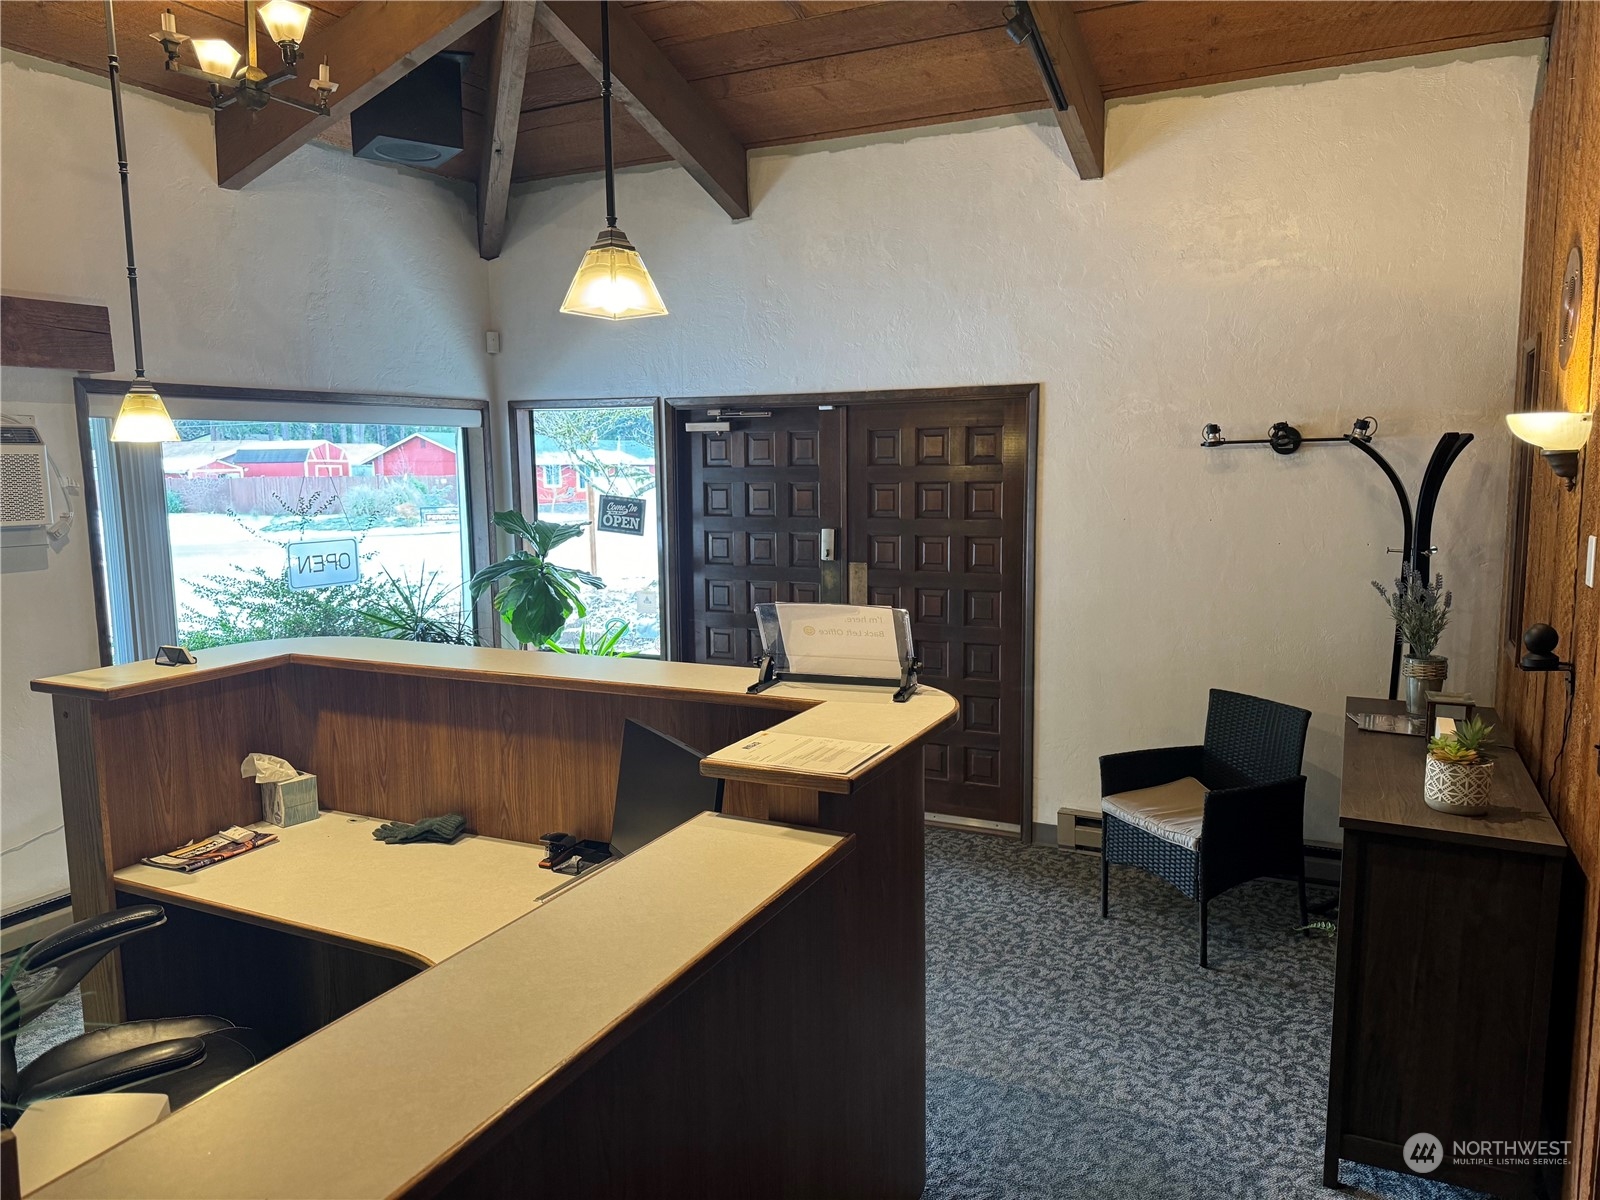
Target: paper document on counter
797,752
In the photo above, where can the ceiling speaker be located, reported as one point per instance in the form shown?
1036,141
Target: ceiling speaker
416,121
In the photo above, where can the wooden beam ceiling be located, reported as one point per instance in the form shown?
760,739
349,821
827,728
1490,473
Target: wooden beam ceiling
658,98
376,44
508,69
775,72
1083,120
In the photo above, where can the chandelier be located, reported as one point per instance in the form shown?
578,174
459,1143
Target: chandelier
233,81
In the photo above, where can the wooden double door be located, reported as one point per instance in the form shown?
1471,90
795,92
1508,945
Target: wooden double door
921,501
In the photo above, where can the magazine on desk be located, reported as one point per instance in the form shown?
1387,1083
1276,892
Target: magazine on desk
207,852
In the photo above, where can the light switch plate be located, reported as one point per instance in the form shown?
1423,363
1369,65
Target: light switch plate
1588,570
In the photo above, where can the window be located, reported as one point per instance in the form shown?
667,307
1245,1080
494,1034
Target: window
299,519
597,463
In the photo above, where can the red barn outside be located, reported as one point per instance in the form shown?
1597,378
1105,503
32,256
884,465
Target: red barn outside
416,455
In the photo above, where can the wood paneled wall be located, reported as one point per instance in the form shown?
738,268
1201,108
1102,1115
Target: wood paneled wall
1564,210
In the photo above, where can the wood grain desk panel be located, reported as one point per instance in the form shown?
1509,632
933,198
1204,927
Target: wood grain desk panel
397,1092
330,879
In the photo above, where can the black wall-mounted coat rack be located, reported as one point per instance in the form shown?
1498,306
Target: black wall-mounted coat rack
1416,527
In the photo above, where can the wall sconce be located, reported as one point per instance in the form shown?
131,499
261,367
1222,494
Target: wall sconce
1559,436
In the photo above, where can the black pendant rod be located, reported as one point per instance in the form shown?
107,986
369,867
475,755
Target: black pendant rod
122,168
605,110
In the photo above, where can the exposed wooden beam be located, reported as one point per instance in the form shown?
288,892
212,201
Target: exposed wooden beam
658,98
1083,121
508,68
368,50
48,333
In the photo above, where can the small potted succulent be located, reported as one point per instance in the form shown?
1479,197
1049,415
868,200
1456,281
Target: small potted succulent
1460,772
1420,612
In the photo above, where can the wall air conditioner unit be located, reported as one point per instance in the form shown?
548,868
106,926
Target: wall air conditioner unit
25,498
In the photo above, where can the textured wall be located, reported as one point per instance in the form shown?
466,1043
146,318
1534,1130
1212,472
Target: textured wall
325,273
1335,246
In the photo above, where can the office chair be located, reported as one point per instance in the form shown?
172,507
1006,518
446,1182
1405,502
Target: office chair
179,1057
1207,818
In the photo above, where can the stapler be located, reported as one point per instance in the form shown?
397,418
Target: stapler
560,847
571,855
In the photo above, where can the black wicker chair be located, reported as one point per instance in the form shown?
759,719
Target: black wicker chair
1208,818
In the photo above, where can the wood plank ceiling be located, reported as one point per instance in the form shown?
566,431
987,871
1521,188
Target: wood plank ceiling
785,71
741,74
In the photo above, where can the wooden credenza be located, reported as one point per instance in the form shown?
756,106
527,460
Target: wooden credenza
1443,1018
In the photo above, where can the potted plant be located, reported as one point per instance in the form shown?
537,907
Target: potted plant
533,594
1459,770
1420,613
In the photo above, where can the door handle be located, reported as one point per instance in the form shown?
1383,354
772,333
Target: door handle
826,545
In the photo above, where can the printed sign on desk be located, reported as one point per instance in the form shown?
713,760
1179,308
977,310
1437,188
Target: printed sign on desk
621,514
331,563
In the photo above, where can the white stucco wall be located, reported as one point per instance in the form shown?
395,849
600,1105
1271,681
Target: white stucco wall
326,273
1337,245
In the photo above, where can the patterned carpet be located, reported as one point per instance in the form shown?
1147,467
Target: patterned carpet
1070,1057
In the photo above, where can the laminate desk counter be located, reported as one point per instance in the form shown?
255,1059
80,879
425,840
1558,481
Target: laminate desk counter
330,879
521,744
458,1079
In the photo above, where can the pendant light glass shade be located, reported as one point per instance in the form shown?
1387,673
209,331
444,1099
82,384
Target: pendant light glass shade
143,417
1551,430
216,57
285,20
612,282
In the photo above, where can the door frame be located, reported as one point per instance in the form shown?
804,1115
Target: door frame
1027,393
525,492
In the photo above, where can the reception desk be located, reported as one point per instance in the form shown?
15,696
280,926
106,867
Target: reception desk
776,1050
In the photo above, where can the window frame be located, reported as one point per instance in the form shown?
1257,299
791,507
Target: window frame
525,494
478,444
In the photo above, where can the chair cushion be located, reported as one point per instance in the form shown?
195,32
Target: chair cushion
1170,811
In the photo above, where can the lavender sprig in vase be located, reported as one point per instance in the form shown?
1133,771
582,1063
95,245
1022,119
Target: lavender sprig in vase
1420,612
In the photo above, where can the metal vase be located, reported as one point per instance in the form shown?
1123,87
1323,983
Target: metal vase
1423,675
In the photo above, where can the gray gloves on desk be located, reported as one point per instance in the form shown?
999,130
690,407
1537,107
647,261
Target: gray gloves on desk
430,829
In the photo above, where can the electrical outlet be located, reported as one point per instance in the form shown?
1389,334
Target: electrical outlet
1588,570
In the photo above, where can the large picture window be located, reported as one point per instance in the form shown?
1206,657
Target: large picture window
277,521
597,463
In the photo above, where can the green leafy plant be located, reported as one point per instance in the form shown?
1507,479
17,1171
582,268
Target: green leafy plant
1420,610
604,643
1464,744
533,594
257,604
421,610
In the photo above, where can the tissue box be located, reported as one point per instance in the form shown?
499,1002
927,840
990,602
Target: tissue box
290,802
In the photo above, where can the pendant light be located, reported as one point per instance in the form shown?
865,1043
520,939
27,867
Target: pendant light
612,282
142,417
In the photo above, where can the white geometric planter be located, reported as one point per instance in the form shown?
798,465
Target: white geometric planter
1461,788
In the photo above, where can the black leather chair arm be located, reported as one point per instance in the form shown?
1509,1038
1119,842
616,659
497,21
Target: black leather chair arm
1135,769
76,949
117,1072
1252,831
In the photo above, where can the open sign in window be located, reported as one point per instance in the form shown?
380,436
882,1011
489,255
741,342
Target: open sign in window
324,564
